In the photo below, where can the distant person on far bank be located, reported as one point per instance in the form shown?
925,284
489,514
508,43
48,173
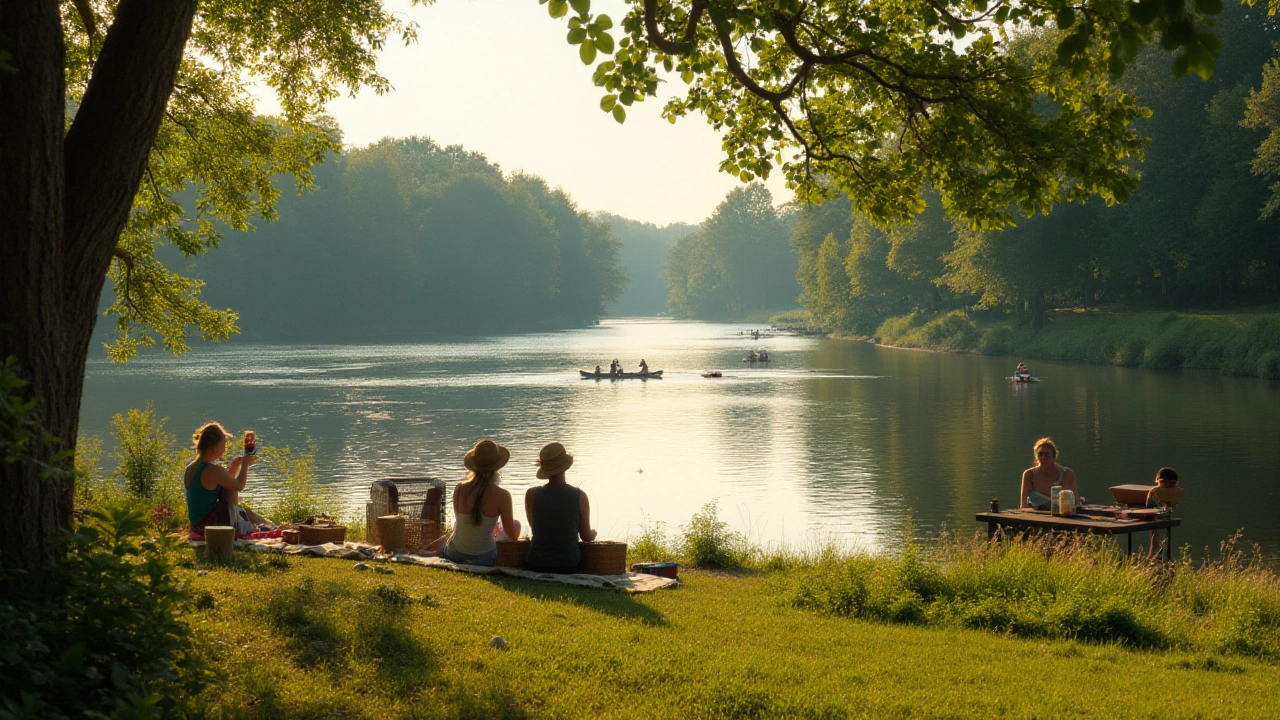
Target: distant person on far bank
1046,473
558,513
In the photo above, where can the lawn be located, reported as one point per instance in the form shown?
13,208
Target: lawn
314,638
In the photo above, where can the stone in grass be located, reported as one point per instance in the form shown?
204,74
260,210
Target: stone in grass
360,566
384,569
499,643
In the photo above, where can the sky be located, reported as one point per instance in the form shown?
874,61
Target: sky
498,77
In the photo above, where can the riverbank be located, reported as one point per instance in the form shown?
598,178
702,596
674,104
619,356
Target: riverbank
313,638
1244,344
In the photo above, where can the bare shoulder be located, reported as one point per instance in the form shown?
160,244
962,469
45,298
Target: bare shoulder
531,492
1026,474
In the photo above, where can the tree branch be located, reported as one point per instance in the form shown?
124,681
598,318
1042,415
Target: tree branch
685,44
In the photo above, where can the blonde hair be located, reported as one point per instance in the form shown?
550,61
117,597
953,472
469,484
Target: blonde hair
208,435
1045,442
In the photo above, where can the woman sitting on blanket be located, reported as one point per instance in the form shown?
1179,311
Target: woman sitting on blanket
213,492
558,514
478,504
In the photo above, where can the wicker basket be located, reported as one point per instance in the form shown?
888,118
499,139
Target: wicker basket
321,534
419,500
603,558
291,537
511,553
418,534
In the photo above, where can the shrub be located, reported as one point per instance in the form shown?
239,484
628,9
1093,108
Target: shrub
149,470
996,341
104,636
707,541
302,496
652,545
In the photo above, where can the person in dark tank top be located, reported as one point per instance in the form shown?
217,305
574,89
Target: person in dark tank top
559,514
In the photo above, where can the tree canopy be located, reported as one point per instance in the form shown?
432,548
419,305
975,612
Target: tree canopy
1000,107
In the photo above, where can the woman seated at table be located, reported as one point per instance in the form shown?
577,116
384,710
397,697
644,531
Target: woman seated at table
558,514
213,492
1046,473
478,505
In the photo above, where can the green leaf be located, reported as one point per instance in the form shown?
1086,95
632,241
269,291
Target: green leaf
619,113
582,7
558,8
604,43
604,23
687,77
608,102
587,52
576,36
1065,18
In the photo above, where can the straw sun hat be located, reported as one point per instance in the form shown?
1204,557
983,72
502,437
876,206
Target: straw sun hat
553,459
486,456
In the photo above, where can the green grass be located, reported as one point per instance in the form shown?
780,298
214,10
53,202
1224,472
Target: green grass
314,638
1245,344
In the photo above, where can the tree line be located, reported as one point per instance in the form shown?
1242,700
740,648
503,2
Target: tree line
406,238
1198,232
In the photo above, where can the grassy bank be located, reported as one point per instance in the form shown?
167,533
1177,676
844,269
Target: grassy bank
1246,344
954,628
315,639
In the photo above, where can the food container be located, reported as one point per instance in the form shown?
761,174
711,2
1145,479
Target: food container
1066,503
290,536
663,569
603,558
512,553
321,534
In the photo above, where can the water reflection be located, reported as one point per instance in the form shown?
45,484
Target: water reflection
830,439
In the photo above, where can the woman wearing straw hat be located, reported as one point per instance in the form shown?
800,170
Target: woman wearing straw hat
478,504
558,514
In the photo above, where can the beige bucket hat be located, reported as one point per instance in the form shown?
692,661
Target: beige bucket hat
486,456
553,459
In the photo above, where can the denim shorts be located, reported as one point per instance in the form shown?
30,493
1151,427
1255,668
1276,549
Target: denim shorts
488,558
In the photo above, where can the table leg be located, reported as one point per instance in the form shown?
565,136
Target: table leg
1169,540
993,531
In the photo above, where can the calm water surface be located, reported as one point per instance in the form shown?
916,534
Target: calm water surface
832,439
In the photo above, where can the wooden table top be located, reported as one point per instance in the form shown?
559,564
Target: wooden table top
1096,520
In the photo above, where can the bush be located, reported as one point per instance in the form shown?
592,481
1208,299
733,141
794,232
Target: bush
149,470
996,341
707,541
302,496
104,636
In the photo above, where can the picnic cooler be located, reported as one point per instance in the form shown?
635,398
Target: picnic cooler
320,533
512,553
419,500
603,558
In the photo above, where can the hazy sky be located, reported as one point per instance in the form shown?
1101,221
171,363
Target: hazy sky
498,77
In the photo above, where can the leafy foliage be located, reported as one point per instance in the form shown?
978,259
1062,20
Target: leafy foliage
214,161
738,265
408,230
301,496
881,99
105,637
707,541
21,434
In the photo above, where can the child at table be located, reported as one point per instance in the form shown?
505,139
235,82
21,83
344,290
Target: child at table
1166,493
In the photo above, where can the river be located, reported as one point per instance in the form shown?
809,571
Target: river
831,439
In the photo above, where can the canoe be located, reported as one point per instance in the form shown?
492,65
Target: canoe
1028,379
651,375
715,374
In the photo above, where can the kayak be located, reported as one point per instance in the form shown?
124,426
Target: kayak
651,375
1022,379
715,374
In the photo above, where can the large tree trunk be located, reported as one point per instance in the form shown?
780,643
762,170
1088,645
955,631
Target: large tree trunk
64,201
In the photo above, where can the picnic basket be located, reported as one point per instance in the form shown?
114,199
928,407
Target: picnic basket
419,500
511,553
291,537
605,557
320,533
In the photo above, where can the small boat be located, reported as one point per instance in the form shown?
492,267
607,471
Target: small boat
1022,379
651,375
712,374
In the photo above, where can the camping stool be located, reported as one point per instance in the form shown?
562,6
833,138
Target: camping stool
218,542
391,533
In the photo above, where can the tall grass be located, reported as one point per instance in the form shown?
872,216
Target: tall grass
1057,587
1233,344
302,496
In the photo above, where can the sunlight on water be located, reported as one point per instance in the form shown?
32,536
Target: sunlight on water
831,439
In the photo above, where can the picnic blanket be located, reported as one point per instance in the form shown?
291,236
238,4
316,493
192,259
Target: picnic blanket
629,582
